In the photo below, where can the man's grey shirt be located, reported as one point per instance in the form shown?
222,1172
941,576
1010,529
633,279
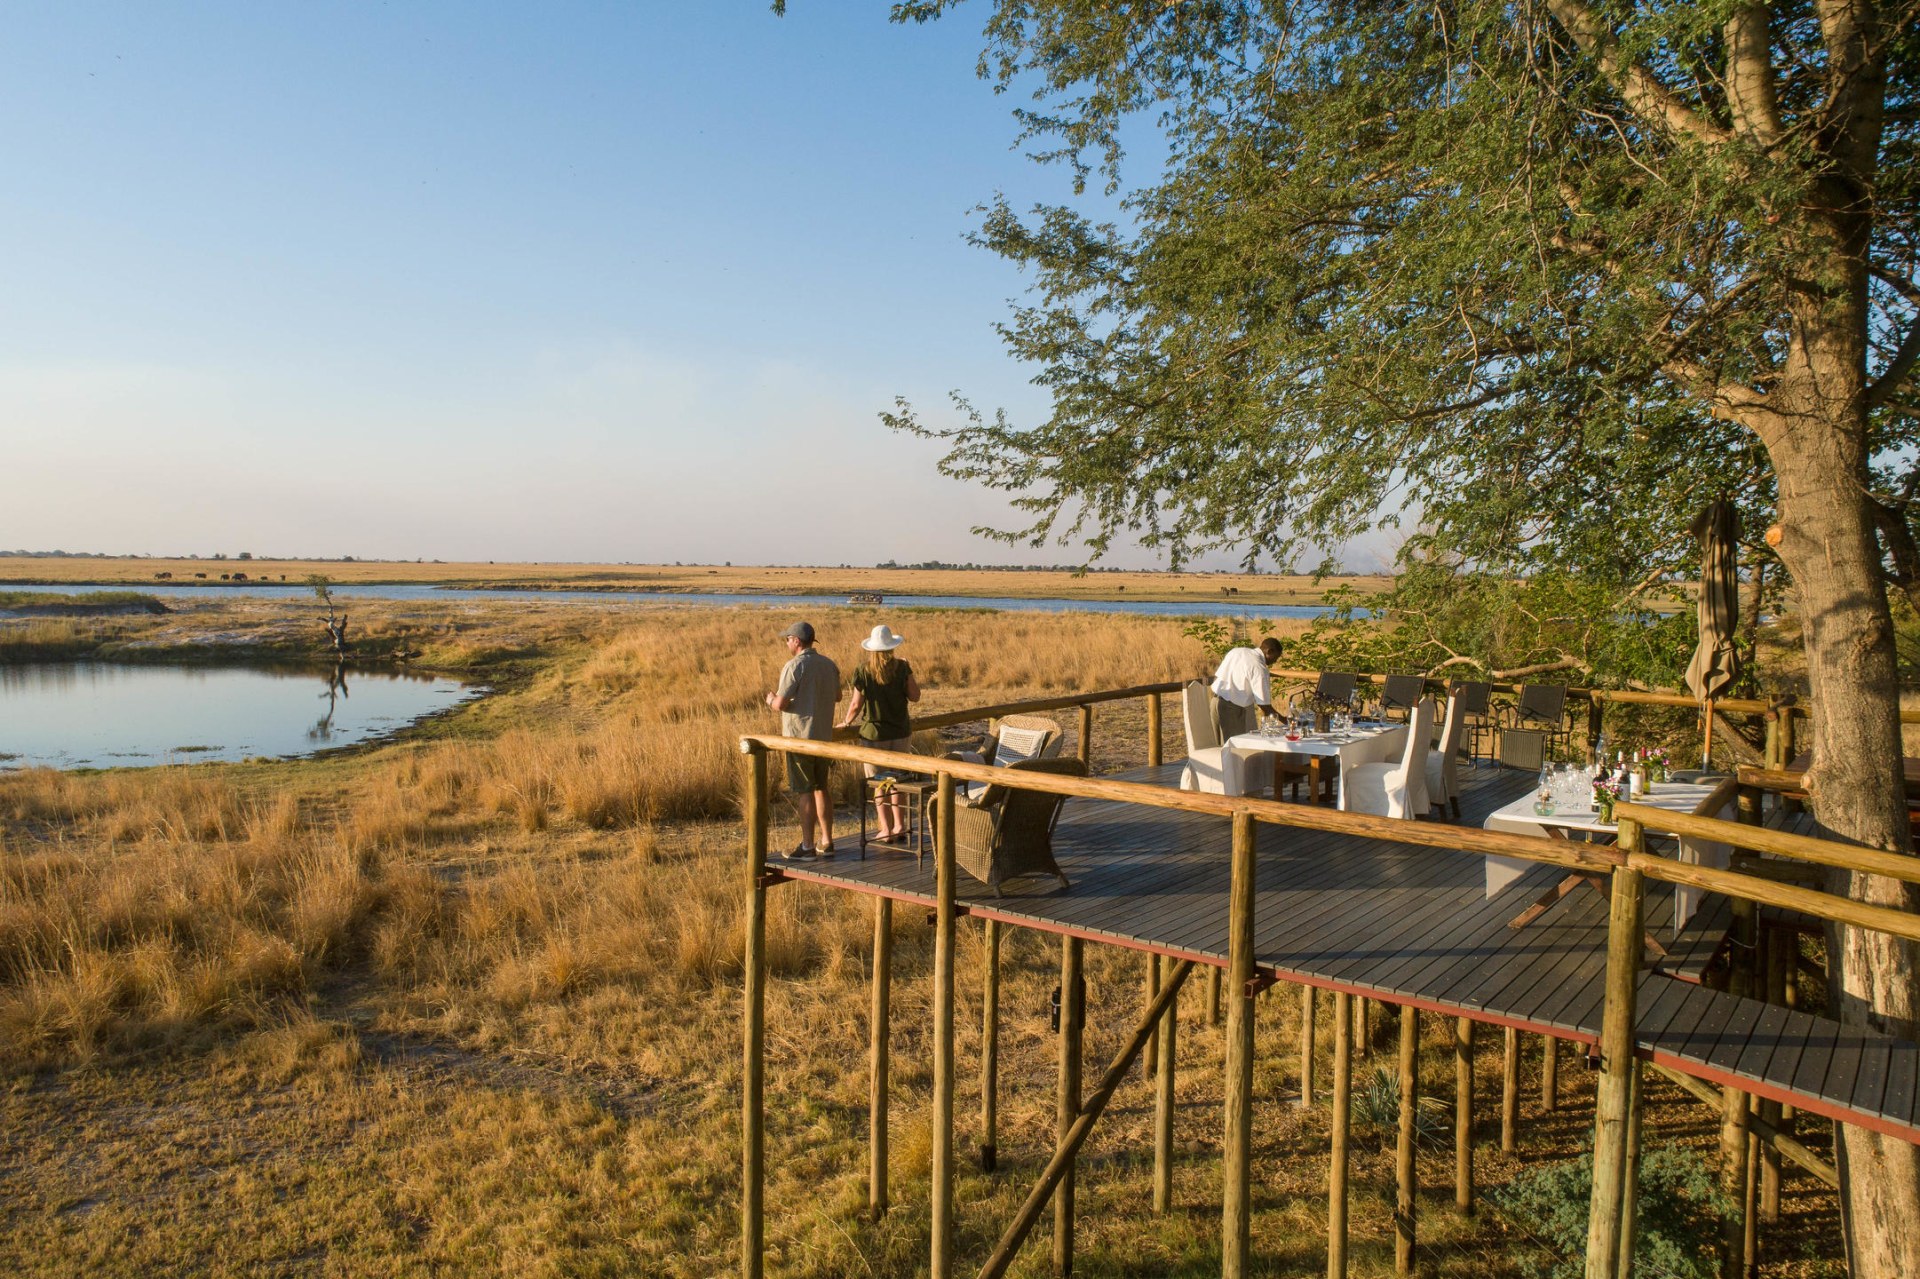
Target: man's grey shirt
812,683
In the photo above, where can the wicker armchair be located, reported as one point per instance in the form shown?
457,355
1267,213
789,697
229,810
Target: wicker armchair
1007,833
1015,738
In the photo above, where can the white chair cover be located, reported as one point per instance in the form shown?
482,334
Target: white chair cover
1394,790
1443,768
1210,767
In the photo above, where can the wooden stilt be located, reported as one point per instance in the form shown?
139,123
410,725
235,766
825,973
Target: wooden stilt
1067,1107
1148,1058
1154,747
1342,1127
1090,1112
1213,996
1363,1026
880,1029
1309,1009
1752,1241
1630,1205
1086,735
1614,1100
1734,1113
990,1053
1168,1035
1463,1114
942,1117
1510,1092
1775,950
1236,1220
753,1150
1405,1186
1549,1072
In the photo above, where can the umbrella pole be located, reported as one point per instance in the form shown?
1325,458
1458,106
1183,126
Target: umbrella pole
1706,752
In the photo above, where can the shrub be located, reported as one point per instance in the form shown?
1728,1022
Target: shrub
1677,1226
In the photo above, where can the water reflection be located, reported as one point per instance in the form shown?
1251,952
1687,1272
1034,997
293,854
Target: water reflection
80,714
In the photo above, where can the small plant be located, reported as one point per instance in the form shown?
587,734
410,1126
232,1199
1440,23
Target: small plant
1376,1103
1677,1224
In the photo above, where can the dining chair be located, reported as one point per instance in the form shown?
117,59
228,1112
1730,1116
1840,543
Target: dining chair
1476,700
1394,789
1335,686
1207,764
1400,692
1521,748
1544,707
1443,765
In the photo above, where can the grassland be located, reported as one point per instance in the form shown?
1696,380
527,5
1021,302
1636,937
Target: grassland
1242,588
467,1002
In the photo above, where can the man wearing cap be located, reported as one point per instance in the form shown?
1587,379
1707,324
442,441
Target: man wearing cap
809,686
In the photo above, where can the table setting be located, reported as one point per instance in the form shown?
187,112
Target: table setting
1347,738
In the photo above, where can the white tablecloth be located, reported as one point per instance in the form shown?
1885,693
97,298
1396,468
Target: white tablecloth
1364,744
1675,797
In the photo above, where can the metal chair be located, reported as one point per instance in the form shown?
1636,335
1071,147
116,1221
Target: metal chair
1544,707
1401,693
1521,748
1335,687
1476,709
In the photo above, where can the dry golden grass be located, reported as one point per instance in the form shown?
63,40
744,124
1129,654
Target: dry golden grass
469,1002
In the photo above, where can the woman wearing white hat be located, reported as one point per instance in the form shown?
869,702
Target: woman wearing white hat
883,687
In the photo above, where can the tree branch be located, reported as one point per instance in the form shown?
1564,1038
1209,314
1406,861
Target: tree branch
1638,87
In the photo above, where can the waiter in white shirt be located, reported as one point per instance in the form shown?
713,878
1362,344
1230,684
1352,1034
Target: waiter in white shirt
1242,687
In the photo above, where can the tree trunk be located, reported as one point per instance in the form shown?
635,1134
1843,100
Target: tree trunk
1829,546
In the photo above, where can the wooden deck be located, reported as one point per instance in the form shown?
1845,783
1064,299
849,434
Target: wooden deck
1413,925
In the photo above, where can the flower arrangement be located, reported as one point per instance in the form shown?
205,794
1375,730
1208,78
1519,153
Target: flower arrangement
1606,793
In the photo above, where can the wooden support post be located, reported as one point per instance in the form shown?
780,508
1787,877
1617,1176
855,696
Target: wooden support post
990,1053
1630,1207
1734,1113
1463,1114
1086,735
1342,1129
1613,1102
1154,747
1213,996
1549,1072
1510,1092
1708,1095
880,1028
1168,1034
1152,1054
1775,950
1405,1187
753,1149
1308,1011
942,1117
1362,1026
1090,1112
1067,1102
1236,1219
1751,1244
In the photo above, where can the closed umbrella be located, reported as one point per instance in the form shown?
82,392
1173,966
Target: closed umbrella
1715,663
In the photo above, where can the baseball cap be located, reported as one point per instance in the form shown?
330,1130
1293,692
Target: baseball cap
802,631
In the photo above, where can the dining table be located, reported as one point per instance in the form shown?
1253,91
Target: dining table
1581,819
1365,742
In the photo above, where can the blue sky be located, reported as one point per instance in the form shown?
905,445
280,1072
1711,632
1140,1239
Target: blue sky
573,281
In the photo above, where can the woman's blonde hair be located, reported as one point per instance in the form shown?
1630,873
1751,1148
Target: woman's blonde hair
880,663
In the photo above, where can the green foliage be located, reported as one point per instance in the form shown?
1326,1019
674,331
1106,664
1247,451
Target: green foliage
1474,625
322,587
1213,632
1678,1217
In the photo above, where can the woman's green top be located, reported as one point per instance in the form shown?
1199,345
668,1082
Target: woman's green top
883,709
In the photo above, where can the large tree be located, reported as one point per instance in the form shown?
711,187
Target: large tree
1554,272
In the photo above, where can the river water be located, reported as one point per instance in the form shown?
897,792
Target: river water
106,714
1199,607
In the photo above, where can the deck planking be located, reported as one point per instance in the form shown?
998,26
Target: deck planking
1412,924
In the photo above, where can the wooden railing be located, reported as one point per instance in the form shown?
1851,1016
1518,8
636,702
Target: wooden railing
1628,864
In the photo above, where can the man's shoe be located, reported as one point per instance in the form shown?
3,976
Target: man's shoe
803,854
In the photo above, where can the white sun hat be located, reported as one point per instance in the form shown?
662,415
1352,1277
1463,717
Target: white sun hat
882,639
